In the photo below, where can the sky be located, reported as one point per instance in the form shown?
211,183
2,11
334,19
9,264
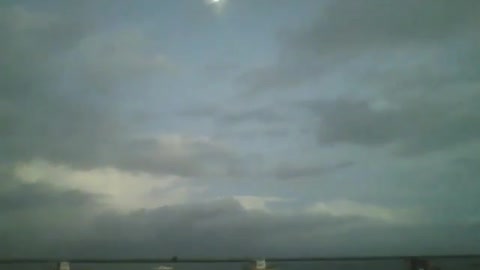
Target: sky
239,128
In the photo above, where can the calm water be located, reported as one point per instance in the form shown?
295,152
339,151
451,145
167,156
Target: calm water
377,265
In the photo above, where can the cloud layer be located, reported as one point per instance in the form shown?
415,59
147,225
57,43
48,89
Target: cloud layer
280,128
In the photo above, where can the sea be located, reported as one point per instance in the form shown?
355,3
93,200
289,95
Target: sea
443,264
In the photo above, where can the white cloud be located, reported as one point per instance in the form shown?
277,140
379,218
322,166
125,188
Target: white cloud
341,208
195,157
123,190
184,146
257,202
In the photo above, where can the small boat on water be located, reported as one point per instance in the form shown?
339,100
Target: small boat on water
163,267
259,265
422,264
63,266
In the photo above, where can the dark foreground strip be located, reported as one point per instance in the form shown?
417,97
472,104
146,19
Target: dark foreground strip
229,260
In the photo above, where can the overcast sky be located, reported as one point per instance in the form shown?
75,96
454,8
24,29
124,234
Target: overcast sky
240,127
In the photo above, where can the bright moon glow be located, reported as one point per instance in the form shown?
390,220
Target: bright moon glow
217,5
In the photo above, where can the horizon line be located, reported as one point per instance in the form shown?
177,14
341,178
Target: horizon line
176,259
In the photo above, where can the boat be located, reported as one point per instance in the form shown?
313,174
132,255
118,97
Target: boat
259,265
163,267
63,266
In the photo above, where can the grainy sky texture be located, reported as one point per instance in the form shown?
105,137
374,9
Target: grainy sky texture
239,127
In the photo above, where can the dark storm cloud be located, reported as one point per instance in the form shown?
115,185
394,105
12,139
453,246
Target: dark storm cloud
230,117
61,98
223,228
40,220
30,196
40,119
17,196
367,25
189,158
293,172
262,115
36,215
419,57
468,164
346,30
246,123
420,127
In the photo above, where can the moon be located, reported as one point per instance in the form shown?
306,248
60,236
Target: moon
217,5
214,2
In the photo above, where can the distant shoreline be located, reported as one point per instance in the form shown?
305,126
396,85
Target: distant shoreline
229,260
